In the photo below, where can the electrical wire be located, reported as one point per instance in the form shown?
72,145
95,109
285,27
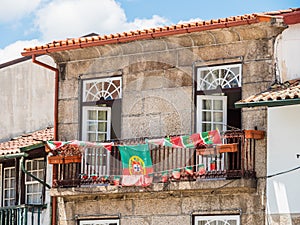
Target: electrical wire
280,173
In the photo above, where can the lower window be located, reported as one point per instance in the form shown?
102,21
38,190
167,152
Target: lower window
34,189
100,222
9,186
217,220
211,112
96,123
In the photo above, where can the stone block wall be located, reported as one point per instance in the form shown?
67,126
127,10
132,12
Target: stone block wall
157,101
174,207
158,76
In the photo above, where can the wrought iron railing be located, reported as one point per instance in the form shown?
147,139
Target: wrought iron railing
21,215
234,159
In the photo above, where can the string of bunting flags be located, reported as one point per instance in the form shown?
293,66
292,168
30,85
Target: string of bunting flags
137,167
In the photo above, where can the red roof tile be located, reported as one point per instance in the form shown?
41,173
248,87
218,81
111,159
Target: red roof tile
13,146
88,41
290,90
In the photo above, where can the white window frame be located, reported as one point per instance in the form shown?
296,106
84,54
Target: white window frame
11,189
85,132
200,99
100,222
97,90
229,80
33,181
217,218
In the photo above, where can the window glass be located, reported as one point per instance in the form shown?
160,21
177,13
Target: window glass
211,112
105,88
9,186
96,123
34,189
217,220
225,76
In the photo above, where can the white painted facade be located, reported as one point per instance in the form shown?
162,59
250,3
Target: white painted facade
283,146
287,53
27,98
284,135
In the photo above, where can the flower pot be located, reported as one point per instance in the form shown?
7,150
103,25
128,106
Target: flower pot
254,134
227,148
207,151
213,165
61,159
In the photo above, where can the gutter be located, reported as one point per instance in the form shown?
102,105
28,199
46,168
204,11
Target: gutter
13,156
274,103
55,92
83,42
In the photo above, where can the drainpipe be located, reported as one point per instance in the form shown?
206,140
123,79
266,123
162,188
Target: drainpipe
53,199
31,175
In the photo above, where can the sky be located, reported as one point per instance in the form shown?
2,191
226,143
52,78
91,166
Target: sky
28,23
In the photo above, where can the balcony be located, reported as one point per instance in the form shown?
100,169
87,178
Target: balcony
94,166
21,215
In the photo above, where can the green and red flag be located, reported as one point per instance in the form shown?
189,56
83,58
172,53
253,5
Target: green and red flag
54,145
137,165
190,141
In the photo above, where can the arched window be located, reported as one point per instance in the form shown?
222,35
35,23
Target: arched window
227,76
218,87
217,220
106,88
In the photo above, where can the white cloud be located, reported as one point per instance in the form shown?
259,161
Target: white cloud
190,20
138,24
12,10
75,18
14,50
61,19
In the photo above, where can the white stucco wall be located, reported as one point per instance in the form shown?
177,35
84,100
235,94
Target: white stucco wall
27,98
283,146
287,52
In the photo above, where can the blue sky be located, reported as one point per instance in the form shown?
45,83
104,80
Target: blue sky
26,23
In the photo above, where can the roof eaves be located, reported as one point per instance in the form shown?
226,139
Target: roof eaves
274,103
31,147
83,42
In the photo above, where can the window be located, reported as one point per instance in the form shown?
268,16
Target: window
106,88
211,112
101,121
226,76
9,185
218,87
100,222
96,123
101,109
34,189
217,220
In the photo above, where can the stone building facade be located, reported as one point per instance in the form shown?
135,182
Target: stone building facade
159,97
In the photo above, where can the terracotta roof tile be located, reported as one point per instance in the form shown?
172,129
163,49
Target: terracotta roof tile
14,145
286,91
156,32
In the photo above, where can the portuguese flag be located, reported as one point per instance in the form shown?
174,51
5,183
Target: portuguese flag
190,141
137,165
